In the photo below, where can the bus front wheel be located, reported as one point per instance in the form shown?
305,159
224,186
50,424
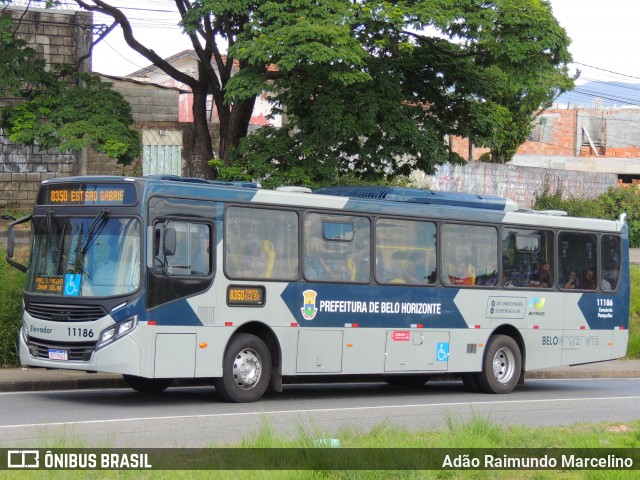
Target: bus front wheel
246,370
147,385
501,365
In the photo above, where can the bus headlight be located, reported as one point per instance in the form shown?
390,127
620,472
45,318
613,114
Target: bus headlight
25,333
111,334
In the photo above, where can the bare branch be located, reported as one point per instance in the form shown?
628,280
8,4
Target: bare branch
129,37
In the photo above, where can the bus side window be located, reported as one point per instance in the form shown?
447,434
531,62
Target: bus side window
610,261
261,243
337,248
182,249
527,258
405,251
578,257
470,255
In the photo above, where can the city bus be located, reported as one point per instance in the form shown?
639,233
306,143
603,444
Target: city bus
162,278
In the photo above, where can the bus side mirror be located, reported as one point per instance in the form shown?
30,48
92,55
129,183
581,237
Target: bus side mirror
11,235
169,247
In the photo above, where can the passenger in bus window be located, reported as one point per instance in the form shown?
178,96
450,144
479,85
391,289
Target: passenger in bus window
506,278
488,273
588,280
254,259
463,273
606,285
542,279
572,279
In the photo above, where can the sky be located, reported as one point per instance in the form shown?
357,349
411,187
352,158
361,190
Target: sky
603,32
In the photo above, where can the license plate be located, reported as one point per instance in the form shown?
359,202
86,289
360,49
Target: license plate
58,354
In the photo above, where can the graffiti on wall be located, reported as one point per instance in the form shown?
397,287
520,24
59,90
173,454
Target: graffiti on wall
518,183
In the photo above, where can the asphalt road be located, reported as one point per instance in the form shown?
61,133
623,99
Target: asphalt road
194,417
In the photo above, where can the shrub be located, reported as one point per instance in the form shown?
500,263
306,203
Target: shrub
609,206
11,285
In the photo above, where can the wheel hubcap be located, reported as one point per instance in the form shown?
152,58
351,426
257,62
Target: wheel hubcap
247,369
504,365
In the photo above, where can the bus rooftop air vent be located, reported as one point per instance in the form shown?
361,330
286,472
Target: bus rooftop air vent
416,195
176,178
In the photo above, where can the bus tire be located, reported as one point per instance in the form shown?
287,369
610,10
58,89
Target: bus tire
246,370
147,385
501,365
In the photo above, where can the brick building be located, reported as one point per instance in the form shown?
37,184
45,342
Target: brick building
579,139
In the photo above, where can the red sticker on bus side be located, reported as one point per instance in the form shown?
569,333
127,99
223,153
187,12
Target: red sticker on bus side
401,336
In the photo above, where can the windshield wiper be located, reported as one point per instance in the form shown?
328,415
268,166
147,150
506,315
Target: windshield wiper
56,246
89,237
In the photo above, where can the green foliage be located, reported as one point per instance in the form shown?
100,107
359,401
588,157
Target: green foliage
369,95
305,165
609,205
624,200
58,108
633,349
11,284
371,88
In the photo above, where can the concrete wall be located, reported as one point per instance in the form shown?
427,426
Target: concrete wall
520,184
60,37
102,165
23,168
149,103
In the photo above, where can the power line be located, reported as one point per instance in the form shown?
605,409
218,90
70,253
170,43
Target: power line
608,71
121,56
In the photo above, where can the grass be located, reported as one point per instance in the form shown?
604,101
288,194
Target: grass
633,349
457,439
11,285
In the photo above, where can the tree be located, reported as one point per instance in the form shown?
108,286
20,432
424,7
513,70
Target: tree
478,69
59,107
371,88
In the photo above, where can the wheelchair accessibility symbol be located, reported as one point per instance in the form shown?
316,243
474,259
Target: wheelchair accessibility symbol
442,352
72,284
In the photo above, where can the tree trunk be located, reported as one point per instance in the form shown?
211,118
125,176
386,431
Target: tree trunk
498,157
234,126
203,136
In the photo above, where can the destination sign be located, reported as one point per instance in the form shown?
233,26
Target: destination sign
245,296
49,284
88,194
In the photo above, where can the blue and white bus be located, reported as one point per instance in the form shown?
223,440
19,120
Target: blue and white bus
162,278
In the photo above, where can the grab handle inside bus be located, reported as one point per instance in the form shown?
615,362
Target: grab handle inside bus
11,235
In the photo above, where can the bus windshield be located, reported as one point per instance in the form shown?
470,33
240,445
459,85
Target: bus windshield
84,256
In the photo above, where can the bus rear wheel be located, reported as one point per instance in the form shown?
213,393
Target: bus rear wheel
246,370
147,385
501,365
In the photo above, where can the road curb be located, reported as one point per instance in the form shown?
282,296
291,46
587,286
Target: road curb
577,374
34,380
